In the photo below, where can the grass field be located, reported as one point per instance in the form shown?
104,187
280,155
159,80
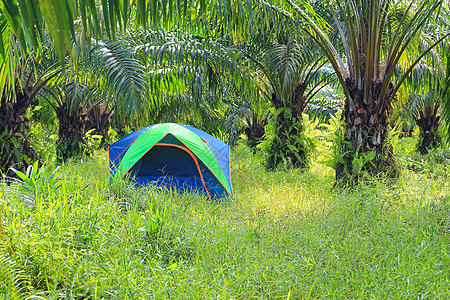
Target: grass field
289,235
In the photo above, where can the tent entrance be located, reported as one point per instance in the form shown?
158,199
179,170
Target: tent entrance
169,165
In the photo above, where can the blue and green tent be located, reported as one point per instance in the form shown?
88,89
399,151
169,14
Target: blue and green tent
174,155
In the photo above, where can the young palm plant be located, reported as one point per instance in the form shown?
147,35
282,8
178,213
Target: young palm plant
426,115
99,117
250,118
374,40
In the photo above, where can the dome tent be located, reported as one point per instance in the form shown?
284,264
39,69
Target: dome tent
170,154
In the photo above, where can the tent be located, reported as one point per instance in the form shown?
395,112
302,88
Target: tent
174,155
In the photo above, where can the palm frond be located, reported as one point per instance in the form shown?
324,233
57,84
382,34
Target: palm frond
9,59
239,115
124,75
445,95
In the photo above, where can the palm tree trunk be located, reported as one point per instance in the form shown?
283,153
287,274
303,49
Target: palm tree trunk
287,148
99,119
15,149
71,133
367,132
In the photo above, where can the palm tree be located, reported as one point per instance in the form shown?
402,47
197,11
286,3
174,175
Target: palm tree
291,75
425,90
67,102
426,115
22,79
108,81
446,96
424,105
100,117
374,40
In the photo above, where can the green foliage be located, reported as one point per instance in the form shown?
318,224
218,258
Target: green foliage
373,34
12,286
293,145
435,163
334,135
124,75
36,181
325,104
69,149
12,149
446,97
87,145
90,239
247,117
189,73
112,137
360,160
43,137
7,148
33,21
93,141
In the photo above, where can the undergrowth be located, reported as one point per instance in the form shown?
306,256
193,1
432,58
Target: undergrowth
284,235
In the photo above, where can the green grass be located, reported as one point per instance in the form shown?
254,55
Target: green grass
290,235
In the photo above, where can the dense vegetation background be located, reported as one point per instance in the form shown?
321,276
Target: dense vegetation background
338,114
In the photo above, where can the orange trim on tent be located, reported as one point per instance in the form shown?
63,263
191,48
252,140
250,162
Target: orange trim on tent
207,165
193,157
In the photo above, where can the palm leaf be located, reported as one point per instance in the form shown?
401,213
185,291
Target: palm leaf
124,75
445,95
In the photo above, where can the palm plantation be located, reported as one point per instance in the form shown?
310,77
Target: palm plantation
314,201
373,47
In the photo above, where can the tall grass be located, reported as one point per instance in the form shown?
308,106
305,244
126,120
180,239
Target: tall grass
288,235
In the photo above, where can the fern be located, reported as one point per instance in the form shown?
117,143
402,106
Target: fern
11,146
11,278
